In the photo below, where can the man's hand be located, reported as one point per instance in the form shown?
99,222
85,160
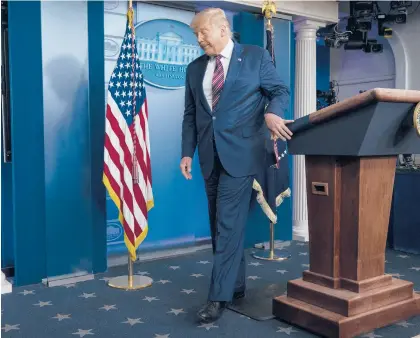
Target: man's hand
186,167
278,127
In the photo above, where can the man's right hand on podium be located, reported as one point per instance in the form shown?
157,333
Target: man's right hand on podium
186,167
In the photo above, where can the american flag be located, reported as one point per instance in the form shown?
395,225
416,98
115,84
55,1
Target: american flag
127,168
272,182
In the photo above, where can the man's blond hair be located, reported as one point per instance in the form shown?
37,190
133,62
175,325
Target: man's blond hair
214,16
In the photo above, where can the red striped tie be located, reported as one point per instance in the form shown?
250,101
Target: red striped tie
218,81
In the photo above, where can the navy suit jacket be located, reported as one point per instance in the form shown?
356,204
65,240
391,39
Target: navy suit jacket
237,123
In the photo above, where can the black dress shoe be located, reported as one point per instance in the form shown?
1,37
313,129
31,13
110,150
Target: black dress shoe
211,311
238,295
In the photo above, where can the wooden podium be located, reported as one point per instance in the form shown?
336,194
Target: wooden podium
350,153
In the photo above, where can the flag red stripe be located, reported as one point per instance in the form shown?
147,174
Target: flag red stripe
128,162
149,166
132,234
147,172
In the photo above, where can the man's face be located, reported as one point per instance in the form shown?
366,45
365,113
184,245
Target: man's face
210,38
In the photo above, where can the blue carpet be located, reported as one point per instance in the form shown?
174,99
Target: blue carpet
167,308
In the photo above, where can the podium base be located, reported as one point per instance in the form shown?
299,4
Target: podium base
339,313
258,302
137,282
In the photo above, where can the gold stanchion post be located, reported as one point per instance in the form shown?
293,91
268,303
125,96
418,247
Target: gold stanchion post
272,254
268,9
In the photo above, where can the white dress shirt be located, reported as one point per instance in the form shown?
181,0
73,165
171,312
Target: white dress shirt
208,76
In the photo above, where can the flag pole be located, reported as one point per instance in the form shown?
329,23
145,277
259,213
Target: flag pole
268,9
130,281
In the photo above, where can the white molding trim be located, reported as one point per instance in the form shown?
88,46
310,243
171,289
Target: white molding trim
366,80
326,10
400,57
121,259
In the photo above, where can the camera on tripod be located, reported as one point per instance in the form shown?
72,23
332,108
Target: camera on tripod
327,98
359,24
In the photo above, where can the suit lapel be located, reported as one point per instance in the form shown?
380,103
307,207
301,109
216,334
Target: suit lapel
201,71
233,71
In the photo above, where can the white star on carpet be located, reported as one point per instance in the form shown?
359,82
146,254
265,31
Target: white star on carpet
26,292
162,335
82,333
282,271
305,265
287,330
87,295
143,273
196,275
42,304
371,335
253,277
108,307
417,268
8,327
61,317
243,316
133,321
150,299
163,281
303,253
404,324
208,326
301,244
255,263
403,256
176,312
188,291
174,267
203,262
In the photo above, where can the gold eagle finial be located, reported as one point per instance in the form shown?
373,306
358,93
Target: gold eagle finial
268,9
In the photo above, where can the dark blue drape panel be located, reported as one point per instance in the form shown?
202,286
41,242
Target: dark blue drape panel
285,64
97,128
404,225
7,243
72,140
322,67
251,29
27,127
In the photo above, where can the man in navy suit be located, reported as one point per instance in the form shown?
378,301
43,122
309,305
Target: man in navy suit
226,92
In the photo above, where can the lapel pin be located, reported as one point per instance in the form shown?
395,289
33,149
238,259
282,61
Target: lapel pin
239,59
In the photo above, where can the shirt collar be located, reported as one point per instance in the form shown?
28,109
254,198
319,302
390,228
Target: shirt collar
227,51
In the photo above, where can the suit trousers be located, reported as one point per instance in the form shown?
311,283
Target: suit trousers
228,202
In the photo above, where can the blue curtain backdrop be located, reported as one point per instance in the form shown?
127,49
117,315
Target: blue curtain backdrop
56,218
